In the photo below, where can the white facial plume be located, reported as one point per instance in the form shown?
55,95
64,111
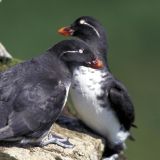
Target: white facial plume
83,22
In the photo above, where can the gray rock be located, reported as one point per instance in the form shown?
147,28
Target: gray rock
87,147
4,54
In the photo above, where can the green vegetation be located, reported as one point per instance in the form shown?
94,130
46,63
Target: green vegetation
8,64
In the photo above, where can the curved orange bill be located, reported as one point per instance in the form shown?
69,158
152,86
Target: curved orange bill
66,31
96,64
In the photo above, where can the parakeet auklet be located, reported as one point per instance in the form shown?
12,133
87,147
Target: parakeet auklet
33,93
100,100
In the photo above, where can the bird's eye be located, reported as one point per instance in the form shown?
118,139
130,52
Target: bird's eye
81,50
82,21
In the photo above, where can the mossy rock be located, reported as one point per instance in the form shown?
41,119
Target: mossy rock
5,64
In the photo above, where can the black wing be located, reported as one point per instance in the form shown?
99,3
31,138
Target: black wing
9,88
121,103
35,108
18,78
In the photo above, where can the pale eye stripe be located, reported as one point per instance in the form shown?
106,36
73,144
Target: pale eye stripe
70,51
82,21
77,51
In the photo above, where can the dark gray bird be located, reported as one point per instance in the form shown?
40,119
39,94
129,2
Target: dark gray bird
33,93
101,101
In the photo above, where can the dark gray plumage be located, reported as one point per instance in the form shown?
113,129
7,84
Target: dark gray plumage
33,93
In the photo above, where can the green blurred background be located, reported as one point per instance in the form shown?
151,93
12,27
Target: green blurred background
28,27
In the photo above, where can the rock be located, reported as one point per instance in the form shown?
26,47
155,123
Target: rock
4,54
87,147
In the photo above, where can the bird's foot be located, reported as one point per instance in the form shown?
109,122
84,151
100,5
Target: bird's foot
113,157
54,139
49,139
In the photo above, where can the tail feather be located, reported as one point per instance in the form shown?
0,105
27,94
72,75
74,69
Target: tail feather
6,132
135,126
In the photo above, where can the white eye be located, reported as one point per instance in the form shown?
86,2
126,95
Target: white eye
82,21
80,50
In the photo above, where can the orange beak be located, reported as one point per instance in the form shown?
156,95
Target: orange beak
96,64
66,31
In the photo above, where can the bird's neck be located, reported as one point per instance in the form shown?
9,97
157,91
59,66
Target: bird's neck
51,62
100,48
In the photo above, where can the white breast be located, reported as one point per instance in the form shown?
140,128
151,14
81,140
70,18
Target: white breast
85,88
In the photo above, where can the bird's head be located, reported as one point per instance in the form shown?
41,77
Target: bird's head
89,30
84,27
76,52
